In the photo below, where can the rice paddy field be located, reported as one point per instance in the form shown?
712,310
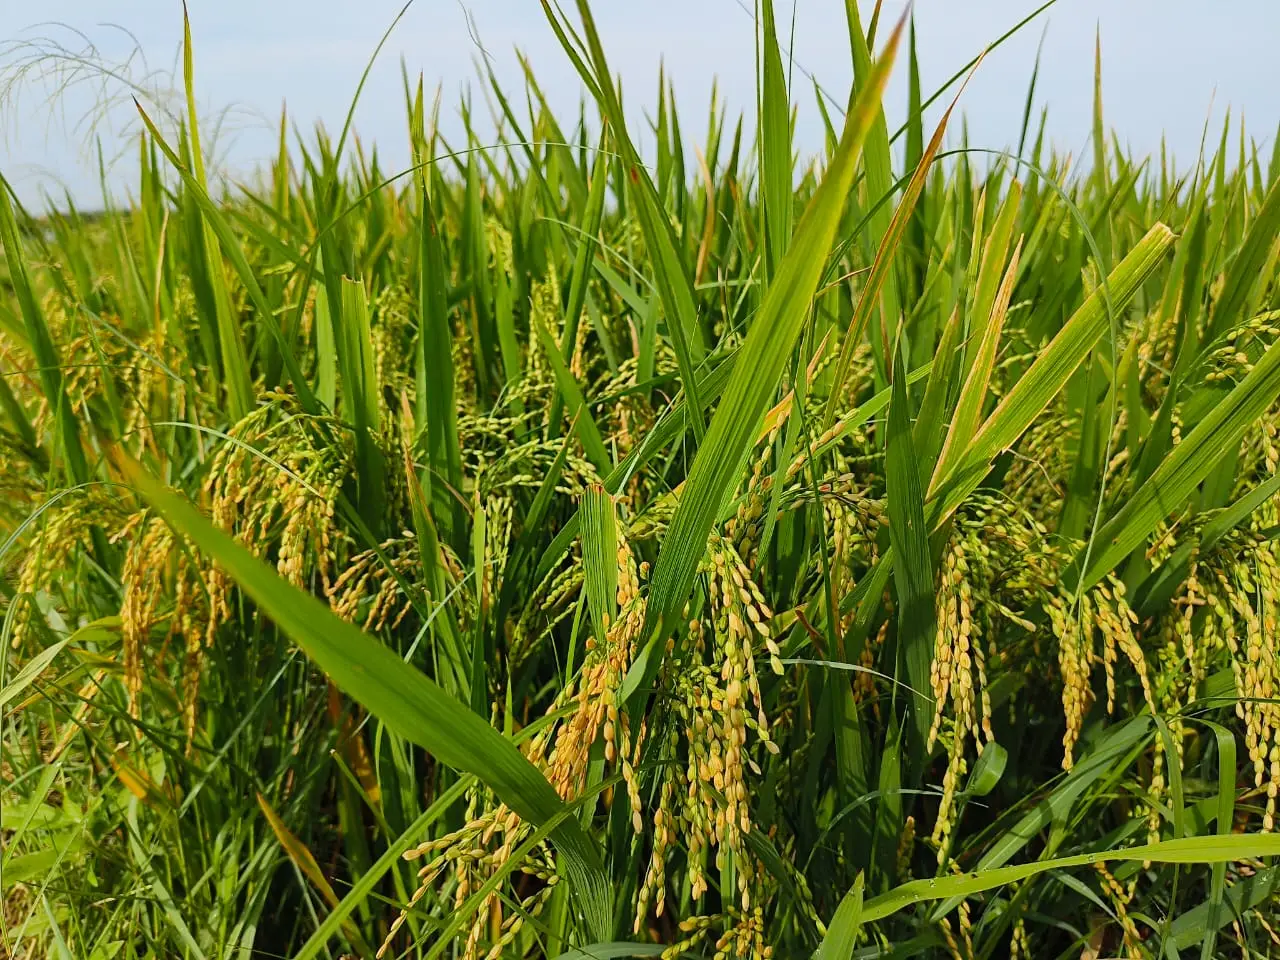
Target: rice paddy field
563,549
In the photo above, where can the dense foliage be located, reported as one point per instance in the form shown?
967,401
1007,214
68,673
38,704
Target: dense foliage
706,556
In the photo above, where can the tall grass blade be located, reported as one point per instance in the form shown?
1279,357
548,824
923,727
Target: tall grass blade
842,933
760,363
909,537
599,557
1234,847
775,143
1214,438
670,272
409,703
881,271
1055,364
42,346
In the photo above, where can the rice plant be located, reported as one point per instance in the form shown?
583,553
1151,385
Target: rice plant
557,551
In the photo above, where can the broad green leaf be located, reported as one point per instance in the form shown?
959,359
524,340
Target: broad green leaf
408,702
909,537
36,866
988,770
1216,436
31,670
600,557
759,365
1247,263
1226,849
1246,893
1034,391
42,346
842,932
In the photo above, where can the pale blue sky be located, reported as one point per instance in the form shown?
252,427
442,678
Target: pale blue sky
1165,63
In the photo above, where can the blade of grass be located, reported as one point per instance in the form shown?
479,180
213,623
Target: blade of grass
1226,744
600,557
234,357
591,218
842,933
364,887
670,272
1215,437
232,250
1246,264
878,186
1226,849
776,179
409,703
909,537
1055,364
881,268
759,365
42,346
575,403
973,395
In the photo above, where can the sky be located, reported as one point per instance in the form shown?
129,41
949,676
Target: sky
1168,66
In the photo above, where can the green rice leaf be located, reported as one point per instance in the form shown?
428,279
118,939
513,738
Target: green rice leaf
1247,263
600,557
31,670
842,933
909,537
364,887
42,346
1215,437
1186,850
233,355
774,109
1033,392
973,394
880,280
759,365
1226,744
235,254
407,701
575,403
670,272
